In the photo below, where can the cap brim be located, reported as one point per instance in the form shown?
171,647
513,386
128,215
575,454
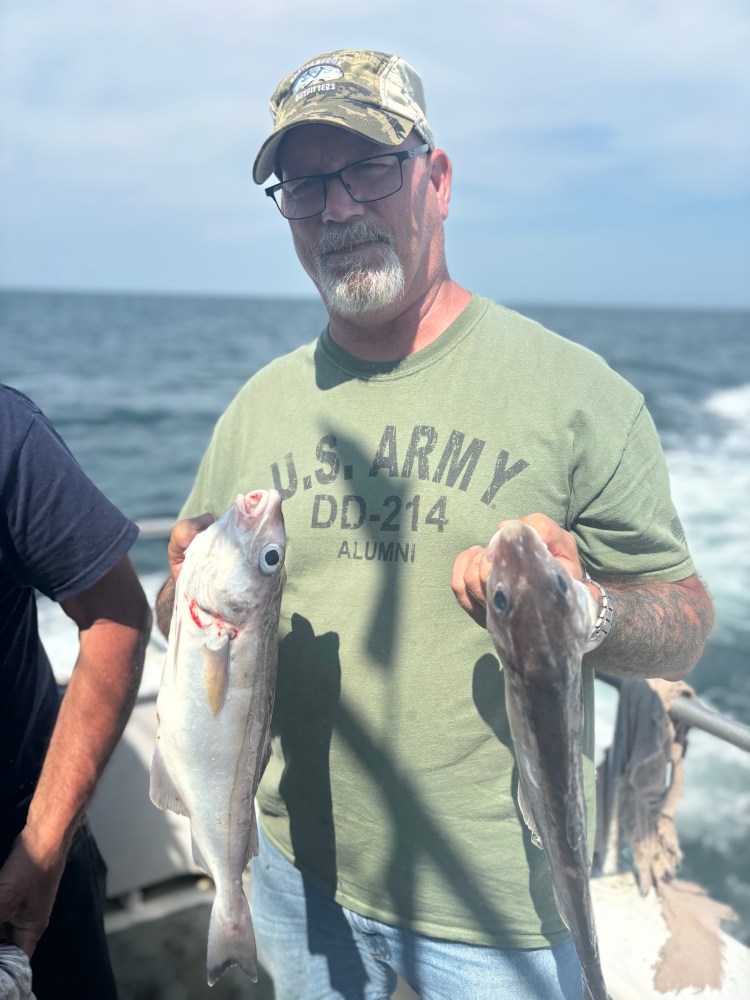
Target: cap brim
389,130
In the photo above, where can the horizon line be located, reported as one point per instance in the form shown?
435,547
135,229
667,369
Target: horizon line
301,298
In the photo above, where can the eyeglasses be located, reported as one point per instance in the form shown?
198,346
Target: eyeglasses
371,179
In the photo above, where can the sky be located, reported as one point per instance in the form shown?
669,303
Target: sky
601,148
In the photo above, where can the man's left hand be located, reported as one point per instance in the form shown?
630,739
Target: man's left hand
471,567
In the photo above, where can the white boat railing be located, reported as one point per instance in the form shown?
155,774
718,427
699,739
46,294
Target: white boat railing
156,527
696,714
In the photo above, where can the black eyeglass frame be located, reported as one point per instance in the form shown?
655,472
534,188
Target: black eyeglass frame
405,154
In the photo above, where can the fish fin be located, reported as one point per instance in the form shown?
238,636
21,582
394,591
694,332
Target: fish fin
267,746
173,643
231,941
198,856
162,791
252,841
528,817
216,674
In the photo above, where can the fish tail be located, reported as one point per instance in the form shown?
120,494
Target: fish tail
231,940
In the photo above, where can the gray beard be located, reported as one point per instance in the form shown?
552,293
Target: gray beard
360,290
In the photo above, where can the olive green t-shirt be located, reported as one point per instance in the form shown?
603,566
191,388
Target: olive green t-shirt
392,782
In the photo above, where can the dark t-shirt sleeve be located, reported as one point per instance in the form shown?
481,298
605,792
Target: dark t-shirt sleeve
63,533
60,535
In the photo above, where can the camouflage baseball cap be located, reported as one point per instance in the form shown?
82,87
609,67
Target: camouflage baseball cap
375,95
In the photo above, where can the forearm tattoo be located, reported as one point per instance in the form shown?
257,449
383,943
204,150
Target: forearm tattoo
659,629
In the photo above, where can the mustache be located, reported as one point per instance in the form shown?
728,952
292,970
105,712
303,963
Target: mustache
348,235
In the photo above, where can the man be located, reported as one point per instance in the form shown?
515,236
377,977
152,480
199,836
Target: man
61,536
390,837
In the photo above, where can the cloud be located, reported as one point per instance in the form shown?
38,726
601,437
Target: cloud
179,82
152,112
667,83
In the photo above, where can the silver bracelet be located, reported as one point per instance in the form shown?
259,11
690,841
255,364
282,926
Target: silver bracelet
606,615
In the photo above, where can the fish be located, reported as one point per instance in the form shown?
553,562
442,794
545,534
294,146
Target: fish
215,703
15,973
540,619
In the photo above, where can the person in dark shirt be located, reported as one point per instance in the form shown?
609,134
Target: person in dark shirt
59,535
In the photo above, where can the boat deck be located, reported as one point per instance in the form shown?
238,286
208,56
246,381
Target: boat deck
165,958
158,948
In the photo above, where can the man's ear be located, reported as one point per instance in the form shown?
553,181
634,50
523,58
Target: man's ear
441,174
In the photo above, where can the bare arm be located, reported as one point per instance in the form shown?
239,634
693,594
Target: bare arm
114,619
164,605
659,630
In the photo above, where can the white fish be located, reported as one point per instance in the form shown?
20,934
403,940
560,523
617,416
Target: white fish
540,619
15,974
215,703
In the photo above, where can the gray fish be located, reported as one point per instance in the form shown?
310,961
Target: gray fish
539,619
215,702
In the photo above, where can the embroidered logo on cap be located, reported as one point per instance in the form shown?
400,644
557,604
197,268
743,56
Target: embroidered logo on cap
316,74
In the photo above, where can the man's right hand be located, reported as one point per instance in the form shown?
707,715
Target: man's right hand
28,885
182,535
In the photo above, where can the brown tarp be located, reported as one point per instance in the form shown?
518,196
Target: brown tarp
639,783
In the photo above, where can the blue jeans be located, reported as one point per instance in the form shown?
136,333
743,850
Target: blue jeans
315,949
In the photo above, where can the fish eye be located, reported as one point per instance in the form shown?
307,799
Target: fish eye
500,599
270,558
562,583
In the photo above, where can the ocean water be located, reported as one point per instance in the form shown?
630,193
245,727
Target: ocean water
135,383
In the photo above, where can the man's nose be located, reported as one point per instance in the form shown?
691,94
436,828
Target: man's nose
340,205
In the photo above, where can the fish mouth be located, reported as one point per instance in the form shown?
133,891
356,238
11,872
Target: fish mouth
511,534
256,503
252,504
256,506
518,561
